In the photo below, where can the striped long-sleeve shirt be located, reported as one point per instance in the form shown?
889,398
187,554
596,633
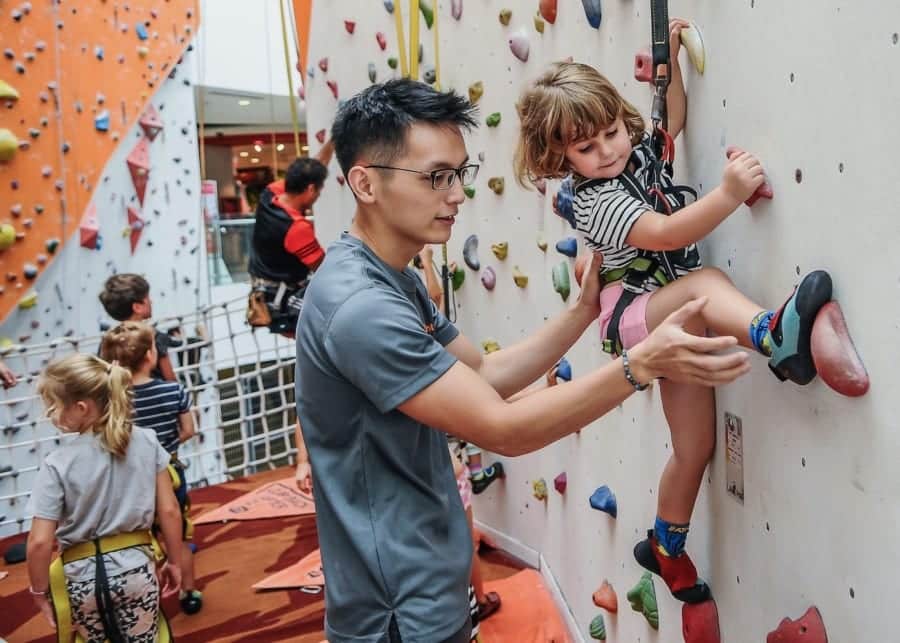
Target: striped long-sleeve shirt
157,405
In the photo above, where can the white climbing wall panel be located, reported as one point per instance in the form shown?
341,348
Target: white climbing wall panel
812,88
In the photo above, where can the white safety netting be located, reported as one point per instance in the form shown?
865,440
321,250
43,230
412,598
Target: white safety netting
241,383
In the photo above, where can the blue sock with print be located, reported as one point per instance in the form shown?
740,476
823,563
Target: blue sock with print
670,537
759,332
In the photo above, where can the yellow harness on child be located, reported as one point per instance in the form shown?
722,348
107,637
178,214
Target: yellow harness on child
105,545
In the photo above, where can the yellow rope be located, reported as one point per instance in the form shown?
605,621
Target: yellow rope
287,67
437,51
401,39
413,39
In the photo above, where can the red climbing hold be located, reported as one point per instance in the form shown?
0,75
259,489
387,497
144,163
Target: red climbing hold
643,66
834,354
580,263
332,85
548,10
323,65
89,228
151,123
807,629
320,136
700,622
605,597
350,26
135,227
139,166
560,482
382,40
764,191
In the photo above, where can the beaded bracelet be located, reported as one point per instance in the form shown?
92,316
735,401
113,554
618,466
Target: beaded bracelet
628,374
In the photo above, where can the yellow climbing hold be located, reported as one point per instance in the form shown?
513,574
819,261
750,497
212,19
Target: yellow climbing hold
520,277
6,343
500,250
9,145
496,183
28,301
7,91
476,90
143,52
539,23
542,244
7,236
692,40
505,15
490,346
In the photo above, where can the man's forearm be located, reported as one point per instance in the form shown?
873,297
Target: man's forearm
509,370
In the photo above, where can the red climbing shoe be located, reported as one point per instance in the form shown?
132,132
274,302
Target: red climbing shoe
700,622
678,572
834,354
809,628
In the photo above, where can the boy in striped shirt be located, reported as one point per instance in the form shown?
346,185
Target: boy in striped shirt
164,407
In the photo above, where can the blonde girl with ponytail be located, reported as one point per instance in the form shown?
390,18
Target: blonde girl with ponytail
98,495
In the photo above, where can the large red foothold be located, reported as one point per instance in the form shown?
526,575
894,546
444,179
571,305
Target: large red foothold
643,66
700,622
139,167
151,123
809,628
834,354
548,10
605,597
135,227
89,228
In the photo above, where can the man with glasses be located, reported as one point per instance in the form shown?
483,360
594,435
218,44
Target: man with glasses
382,375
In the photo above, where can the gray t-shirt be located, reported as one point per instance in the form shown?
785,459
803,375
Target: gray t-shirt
91,493
393,533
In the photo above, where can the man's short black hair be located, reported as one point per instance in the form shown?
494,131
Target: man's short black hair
302,173
374,122
120,292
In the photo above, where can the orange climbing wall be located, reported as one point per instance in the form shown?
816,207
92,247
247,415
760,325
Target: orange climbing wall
52,57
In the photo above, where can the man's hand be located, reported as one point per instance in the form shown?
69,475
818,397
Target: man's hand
588,277
7,377
672,353
303,477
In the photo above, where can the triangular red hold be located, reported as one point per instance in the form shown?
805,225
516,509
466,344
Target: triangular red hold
809,628
139,167
151,123
135,227
332,85
89,228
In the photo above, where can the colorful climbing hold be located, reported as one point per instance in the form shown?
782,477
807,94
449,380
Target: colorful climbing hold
643,66
504,17
89,228
809,628
28,301
542,244
642,598
564,201
9,145
141,31
539,489
456,8
692,40
138,161
51,245
469,191
101,121
135,227
488,278
457,276
567,246
392,62
496,183
500,250
429,75
323,64
539,24
561,282
427,12
490,346
29,271
143,52
493,120
605,597
7,91
563,370
150,122
332,85
350,26
560,483
519,45
389,6
597,628
519,277
700,623
320,136
541,185
604,500
834,355
373,73
548,10
7,236
578,269
381,39
592,12
470,252
476,90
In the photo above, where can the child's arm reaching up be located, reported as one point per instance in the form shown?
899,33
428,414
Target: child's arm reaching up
653,231
676,103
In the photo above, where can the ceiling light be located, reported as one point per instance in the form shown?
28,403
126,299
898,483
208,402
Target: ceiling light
280,147
243,102
254,160
305,148
257,147
245,154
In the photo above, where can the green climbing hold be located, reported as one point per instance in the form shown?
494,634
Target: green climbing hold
470,191
28,301
457,276
392,62
493,120
427,12
598,628
643,599
7,91
561,282
9,145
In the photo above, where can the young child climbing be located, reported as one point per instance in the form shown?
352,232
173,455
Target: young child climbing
97,495
164,407
573,121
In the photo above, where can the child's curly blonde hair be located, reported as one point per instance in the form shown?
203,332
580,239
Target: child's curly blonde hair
569,102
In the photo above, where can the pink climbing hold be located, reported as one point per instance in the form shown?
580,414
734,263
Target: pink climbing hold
332,85
519,45
135,227
560,482
381,39
350,26
89,228
151,123
456,9
809,628
488,278
320,136
139,167
643,66
700,622
323,65
835,356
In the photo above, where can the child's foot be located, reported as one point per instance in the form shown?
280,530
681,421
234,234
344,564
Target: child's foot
483,479
678,572
488,606
791,327
191,601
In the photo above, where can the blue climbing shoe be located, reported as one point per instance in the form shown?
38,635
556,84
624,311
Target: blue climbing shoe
791,327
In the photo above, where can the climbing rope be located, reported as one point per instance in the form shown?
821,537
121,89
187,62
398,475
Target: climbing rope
290,78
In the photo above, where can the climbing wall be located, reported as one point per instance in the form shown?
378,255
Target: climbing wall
799,503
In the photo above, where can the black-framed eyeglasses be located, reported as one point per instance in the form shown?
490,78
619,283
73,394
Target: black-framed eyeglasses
441,179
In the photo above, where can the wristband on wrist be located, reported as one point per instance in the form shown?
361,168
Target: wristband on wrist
45,593
626,366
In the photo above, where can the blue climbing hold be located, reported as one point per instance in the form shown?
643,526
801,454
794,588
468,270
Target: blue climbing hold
141,31
98,52
192,547
604,500
567,246
311,72
593,13
564,370
564,197
389,5
101,121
